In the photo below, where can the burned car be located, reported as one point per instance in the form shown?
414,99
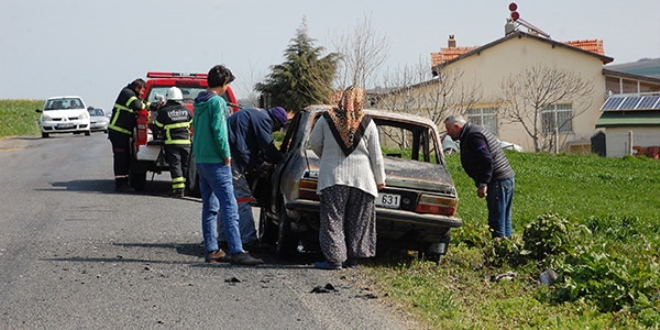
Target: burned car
416,210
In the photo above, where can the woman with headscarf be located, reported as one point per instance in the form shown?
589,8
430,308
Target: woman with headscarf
352,171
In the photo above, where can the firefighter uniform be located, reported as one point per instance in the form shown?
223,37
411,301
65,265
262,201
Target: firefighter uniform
175,119
121,128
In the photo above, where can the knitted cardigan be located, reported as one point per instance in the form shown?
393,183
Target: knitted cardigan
362,169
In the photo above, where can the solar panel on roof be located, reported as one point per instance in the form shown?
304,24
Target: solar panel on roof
657,104
612,103
630,103
648,102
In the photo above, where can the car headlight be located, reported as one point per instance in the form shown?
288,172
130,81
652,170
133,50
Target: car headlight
83,115
46,117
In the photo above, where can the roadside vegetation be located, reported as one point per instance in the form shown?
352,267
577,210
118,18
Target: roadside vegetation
592,221
17,117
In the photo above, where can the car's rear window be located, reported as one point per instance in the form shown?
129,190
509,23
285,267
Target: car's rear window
189,93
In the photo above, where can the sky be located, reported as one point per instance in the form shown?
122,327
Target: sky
93,48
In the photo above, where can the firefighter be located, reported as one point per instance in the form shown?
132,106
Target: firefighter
174,119
121,127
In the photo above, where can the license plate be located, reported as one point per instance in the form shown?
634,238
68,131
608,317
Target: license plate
390,201
68,125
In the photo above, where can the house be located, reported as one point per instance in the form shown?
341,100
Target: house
567,124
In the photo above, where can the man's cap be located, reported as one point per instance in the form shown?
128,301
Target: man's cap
280,114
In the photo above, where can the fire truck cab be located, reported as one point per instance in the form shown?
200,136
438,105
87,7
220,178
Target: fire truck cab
147,150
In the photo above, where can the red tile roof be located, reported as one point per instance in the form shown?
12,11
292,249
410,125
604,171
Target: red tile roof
449,53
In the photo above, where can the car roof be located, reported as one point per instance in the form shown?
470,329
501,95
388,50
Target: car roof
65,97
404,117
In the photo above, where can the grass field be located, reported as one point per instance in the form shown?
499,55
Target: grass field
593,220
17,117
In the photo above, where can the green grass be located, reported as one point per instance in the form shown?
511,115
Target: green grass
17,117
610,252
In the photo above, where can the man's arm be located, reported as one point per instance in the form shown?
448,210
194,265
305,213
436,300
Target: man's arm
483,158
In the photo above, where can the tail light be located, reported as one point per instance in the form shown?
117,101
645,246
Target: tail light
437,205
307,186
142,126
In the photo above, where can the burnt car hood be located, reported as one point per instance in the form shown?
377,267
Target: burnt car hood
405,173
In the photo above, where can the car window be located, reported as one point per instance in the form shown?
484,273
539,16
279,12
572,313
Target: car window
64,103
403,139
96,112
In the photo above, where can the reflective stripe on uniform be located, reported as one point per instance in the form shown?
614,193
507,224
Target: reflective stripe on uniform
168,136
179,182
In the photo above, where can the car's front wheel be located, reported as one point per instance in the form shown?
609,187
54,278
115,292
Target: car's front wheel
44,135
268,232
287,239
87,133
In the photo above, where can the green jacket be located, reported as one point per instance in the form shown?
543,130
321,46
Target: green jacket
210,135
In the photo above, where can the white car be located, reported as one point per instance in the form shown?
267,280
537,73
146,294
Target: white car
64,114
98,121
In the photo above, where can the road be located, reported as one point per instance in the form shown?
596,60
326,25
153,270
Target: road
76,255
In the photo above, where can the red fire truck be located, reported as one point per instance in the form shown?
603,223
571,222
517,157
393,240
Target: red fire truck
147,151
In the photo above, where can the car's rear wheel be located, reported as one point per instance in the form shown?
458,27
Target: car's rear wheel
268,232
137,180
287,239
44,135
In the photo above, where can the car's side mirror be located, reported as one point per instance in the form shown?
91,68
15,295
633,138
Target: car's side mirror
39,110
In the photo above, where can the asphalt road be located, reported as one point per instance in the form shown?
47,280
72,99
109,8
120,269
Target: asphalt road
76,255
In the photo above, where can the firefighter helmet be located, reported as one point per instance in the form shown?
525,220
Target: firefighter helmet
174,94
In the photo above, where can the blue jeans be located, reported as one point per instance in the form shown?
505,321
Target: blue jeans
499,199
215,184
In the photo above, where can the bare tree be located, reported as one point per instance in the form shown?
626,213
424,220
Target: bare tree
535,91
362,52
412,89
245,85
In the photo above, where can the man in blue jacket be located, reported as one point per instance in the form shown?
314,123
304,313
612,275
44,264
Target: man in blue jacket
484,161
252,145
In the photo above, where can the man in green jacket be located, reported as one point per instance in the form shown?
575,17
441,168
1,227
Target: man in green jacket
213,162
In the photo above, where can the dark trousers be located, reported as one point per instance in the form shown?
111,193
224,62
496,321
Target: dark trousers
177,157
121,144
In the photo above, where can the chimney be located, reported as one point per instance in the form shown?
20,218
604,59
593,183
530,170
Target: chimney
451,43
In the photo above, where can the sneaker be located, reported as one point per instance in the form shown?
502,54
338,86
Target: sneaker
327,265
217,256
245,259
350,263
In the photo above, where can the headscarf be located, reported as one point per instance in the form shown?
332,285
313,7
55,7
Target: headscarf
347,119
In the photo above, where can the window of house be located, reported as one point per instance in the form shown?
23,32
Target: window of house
486,117
557,116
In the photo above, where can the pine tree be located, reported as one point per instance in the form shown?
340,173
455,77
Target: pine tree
305,78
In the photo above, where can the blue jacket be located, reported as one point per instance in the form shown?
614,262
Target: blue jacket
251,137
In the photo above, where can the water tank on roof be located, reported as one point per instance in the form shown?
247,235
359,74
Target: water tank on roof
509,27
